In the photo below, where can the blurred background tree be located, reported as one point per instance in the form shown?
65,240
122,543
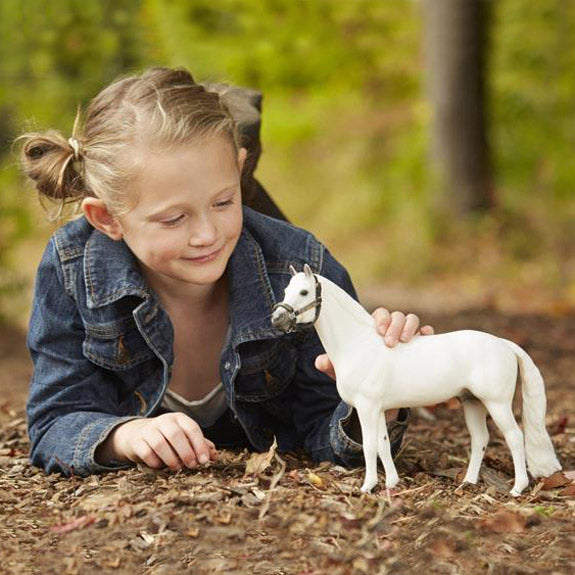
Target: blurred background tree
456,53
349,125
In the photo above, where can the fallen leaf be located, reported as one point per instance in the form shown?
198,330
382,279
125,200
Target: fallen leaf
504,522
556,480
193,532
315,480
560,426
259,462
148,539
442,547
113,563
224,519
78,523
569,491
453,403
570,475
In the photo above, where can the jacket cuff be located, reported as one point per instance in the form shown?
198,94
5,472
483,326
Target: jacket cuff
349,451
92,436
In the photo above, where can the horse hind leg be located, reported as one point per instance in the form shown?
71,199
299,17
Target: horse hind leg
476,420
368,419
384,452
503,417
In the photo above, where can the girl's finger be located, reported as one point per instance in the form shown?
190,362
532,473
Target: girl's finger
382,320
162,448
410,327
179,442
395,329
146,455
323,364
427,330
196,438
212,448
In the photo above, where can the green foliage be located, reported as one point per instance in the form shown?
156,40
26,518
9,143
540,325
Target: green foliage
346,121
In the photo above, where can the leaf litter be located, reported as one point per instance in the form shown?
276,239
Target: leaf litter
274,513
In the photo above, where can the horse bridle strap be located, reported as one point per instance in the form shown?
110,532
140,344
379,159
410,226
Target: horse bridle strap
316,303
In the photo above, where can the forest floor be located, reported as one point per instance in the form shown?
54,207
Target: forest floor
280,514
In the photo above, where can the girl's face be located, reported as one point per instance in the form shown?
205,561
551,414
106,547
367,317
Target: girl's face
188,213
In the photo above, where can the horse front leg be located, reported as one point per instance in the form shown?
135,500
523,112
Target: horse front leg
369,421
384,451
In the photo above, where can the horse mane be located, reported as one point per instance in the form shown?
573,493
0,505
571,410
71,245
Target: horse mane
347,304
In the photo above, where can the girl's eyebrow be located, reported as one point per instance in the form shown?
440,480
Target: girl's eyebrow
162,211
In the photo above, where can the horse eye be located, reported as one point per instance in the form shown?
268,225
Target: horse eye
303,292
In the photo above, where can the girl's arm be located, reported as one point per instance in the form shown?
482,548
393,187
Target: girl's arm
72,403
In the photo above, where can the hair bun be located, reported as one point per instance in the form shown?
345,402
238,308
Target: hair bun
48,159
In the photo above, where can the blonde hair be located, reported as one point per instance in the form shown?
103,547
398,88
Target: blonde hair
162,107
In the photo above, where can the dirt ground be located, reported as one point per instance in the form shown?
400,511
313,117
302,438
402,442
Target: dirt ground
279,514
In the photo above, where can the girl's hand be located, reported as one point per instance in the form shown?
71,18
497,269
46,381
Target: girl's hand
393,327
172,439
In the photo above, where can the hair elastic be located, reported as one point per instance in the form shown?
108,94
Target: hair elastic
75,145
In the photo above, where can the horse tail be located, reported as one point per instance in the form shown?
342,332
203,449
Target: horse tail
539,451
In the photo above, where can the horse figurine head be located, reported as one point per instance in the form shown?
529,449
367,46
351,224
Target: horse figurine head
301,305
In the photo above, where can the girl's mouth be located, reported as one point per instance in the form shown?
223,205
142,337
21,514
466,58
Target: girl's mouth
205,259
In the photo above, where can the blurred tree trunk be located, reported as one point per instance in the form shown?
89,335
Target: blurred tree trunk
455,51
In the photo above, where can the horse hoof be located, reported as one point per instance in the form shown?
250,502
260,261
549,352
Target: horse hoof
472,480
392,483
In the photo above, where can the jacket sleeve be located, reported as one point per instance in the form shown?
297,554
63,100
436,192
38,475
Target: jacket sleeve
322,418
72,403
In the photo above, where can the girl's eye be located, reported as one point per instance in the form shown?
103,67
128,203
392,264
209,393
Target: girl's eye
225,203
303,292
174,221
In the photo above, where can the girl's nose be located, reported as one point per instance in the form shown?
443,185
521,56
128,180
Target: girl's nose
203,233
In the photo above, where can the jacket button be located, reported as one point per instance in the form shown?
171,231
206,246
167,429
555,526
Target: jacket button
227,365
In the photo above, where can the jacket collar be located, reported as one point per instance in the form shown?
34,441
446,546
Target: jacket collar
111,272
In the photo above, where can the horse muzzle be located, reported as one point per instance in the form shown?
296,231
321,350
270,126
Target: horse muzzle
283,320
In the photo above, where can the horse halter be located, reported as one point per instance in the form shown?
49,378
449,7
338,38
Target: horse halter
293,313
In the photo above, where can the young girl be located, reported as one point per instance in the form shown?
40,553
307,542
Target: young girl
150,330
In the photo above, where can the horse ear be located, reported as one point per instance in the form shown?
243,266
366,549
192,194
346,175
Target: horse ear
307,271
292,271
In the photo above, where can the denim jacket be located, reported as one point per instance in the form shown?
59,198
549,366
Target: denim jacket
102,347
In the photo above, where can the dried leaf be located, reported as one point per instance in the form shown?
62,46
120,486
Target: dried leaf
224,519
453,403
148,539
315,480
259,462
442,547
560,426
556,480
569,491
113,563
78,523
504,522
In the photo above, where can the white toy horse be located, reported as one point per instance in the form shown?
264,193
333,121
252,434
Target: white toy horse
477,367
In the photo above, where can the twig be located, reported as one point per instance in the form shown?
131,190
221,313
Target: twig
275,480
406,491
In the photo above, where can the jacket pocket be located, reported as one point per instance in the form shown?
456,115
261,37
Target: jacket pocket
266,375
117,348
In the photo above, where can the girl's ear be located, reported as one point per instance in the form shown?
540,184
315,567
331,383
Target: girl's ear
242,154
99,216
